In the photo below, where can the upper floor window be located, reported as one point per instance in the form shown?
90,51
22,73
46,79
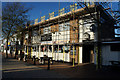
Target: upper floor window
35,33
64,27
47,30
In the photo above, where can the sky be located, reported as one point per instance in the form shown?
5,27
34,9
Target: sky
43,8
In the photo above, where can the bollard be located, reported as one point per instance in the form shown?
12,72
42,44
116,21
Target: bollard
48,63
43,61
34,60
25,58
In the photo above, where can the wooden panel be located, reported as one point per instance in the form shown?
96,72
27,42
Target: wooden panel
41,30
74,36
54,28
74,31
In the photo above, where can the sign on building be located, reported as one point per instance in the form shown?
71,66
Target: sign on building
46,37
117,32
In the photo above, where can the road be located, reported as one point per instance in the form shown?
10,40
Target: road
12,68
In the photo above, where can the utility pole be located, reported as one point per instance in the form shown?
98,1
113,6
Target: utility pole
98,41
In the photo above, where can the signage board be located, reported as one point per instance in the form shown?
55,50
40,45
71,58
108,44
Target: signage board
46,42
61,41
46,37
117,32
86,36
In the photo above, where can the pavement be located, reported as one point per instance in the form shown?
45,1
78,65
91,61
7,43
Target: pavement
12,68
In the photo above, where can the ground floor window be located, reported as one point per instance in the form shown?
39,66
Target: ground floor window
66,48
34,48
46,48
50,48
37,49
62,49
42,48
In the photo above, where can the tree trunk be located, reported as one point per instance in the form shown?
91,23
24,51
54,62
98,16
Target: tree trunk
16,51
7,49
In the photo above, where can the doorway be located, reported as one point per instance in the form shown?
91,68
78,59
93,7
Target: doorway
88,54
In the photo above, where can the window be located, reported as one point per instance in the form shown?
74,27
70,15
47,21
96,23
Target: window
67,49
34,48
45,48
50,49
64,26
37,48
55,49
35,33
61,49
46,30
42,48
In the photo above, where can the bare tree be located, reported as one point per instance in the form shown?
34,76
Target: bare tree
14,16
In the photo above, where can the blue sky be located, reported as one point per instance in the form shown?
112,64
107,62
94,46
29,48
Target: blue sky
43,8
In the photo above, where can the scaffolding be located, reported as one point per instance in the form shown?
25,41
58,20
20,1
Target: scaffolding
65,26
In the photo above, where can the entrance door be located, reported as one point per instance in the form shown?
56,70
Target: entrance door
88,55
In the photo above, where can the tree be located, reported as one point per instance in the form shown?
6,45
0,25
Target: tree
14,16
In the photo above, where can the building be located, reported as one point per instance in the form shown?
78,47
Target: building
14,45
73,36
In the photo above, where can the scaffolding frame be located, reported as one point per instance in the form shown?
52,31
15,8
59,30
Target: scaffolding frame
60,20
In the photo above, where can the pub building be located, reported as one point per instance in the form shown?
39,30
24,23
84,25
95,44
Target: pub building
73,36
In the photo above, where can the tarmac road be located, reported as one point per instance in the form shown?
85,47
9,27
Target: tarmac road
12,68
